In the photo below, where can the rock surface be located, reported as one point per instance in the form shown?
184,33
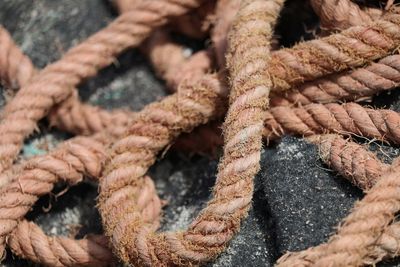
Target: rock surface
297,201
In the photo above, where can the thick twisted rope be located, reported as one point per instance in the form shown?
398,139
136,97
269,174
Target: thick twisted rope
351,160
381,75
217,223
349,118
55,83
16,69
360,166
75,117
340,14
77,157
348,159
351,85
195,24
353,47
81,156
30,242
354,244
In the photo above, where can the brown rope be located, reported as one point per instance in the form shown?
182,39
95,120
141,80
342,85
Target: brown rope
352,85
383,75
54,83
84,119
349,118
78,157
195,24
193,105
16,69
216,224
30,242
351,160
340,14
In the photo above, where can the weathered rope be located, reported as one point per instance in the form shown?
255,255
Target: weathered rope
354,244
352,85
364,121
54,83
350,48
16,69
78,157
362,82
349,118
351,160
340,14
30,242
208,235
195,24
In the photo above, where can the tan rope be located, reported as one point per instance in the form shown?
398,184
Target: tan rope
54,83
16,69
349,118
30,242
195,24
194,105
208,235
78,157
351,160
340,14
362,82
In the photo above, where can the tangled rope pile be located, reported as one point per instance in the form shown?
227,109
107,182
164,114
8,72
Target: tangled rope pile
261,93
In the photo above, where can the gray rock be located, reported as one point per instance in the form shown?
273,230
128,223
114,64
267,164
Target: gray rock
306,200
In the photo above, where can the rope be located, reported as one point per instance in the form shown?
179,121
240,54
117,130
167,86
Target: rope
384,75
30,242
16,69
349,118
55,82
253,73
351,160
364,170
352,85
217,223
340,14
78,157
195,24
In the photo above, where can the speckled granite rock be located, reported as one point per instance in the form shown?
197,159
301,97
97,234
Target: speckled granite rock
297,201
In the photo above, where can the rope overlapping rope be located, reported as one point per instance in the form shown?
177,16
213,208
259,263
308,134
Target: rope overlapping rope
201,97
